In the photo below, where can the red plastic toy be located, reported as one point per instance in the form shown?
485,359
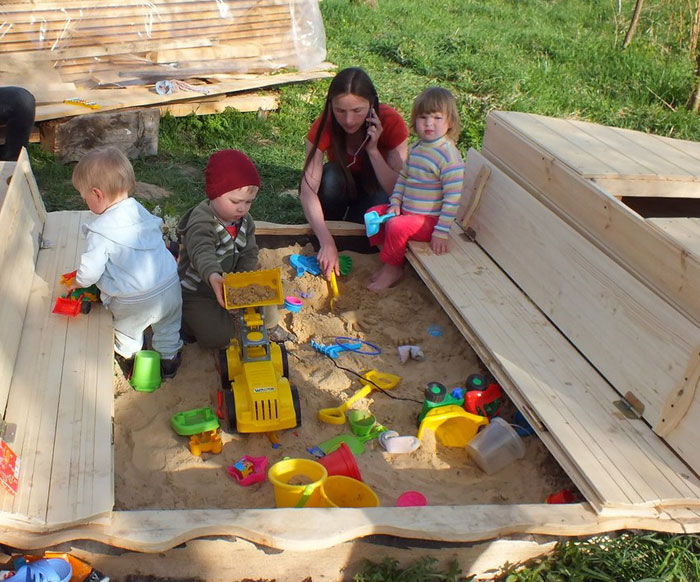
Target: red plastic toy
484,402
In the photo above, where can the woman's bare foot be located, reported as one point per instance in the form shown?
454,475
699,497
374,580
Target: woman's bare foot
388,276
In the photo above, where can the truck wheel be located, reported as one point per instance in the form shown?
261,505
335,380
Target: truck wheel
223,371
85,307
230,424
297,404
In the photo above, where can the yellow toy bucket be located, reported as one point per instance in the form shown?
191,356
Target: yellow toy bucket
297,482
342,491
253,288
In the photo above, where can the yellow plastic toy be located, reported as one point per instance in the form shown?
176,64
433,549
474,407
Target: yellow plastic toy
257,395
452,425
370,381
206,442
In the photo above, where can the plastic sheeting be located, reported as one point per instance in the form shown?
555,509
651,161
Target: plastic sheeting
131,42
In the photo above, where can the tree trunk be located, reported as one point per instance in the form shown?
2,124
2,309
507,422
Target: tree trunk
695,97
633,24
695,30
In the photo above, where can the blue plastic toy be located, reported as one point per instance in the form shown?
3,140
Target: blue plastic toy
373,221
346,344
305,264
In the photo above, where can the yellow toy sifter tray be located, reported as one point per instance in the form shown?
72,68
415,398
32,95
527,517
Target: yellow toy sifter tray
253,289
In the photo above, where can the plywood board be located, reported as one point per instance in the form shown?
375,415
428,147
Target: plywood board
110,99
620,460
311,529
21,216
519,145
609,315
61,398
684,230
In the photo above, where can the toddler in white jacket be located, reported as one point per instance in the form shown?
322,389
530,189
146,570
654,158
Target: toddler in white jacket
126,256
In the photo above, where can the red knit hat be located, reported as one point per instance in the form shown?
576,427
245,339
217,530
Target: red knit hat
229,170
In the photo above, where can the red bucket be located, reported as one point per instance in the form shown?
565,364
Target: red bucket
341,462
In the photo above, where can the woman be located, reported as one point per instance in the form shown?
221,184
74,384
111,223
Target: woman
365,144
17,109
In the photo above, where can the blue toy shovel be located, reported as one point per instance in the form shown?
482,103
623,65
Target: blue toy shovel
373,221
303,264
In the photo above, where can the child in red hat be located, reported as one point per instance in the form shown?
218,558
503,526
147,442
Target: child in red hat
217,237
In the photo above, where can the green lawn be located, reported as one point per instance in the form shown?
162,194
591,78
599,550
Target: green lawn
551,57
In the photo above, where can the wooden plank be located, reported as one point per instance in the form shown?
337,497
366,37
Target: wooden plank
157,531
651,255
604,311
220,30
335,227
684,230
61,380
111,99
35,392
82,478
56,21
649,187
494,365
568,396
20,215
136,7
631,153
246,102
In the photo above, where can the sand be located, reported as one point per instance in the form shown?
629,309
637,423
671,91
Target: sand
154,468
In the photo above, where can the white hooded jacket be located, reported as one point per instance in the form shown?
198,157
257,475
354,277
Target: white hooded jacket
125,254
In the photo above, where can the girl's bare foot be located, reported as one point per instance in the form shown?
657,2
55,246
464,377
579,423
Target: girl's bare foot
388,276
377,273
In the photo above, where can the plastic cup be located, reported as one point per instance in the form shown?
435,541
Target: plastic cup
496,446
341,462
341,491
361,422
297,482
293,304
146,374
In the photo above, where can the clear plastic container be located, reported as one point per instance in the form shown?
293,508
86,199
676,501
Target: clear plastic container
496,446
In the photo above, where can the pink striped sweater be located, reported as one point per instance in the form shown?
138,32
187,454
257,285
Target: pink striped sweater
430,182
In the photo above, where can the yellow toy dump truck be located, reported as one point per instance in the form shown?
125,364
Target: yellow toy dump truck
257,395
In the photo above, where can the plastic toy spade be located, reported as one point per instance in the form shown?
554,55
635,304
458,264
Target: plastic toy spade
303,264
333,286
373,221
309,264
371,380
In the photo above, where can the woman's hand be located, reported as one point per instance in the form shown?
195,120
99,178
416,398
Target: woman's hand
439,245
374,130
328,259
217,284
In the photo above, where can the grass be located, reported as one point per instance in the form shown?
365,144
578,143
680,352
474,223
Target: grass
624,557
549,57
628,557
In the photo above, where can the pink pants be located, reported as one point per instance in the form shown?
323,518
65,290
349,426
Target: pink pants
395,233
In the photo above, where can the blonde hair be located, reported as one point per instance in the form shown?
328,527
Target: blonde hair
437,100
106,168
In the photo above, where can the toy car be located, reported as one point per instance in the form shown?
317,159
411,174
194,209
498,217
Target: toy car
257,395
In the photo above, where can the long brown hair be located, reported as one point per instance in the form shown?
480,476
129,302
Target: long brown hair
350,81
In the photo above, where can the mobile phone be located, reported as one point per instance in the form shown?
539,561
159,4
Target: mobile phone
367,123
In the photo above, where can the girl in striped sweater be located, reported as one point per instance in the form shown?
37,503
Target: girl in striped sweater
428,189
